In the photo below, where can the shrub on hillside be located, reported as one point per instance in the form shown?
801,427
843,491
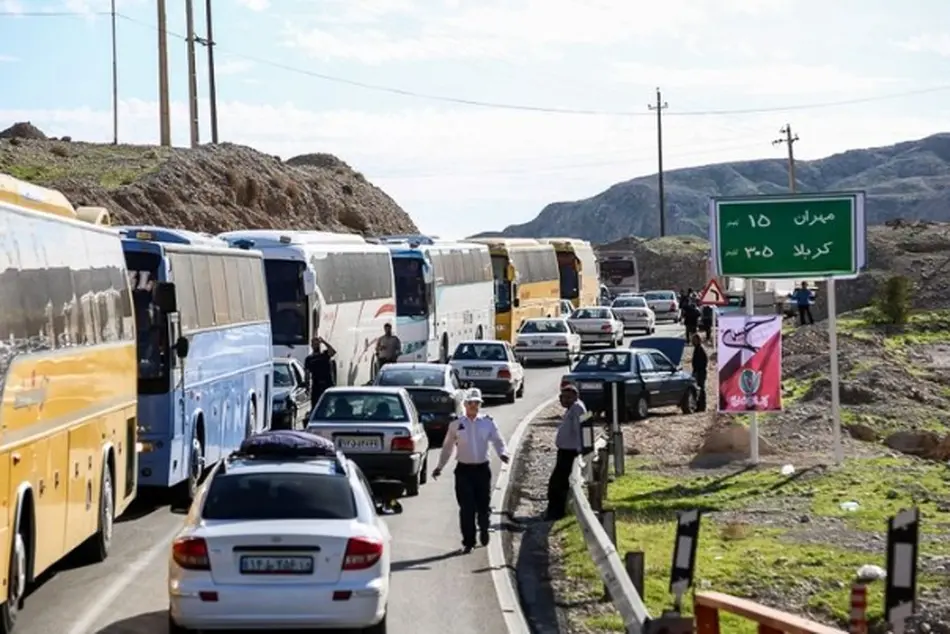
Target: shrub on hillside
892,306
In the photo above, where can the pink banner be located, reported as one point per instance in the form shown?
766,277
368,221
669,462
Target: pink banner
749,363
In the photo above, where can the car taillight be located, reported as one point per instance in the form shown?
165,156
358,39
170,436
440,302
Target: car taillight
403,444
362,553
605,328
191,553
504,373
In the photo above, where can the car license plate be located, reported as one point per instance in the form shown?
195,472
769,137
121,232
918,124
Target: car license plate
276,565
478,372
359,443
590,386
542,342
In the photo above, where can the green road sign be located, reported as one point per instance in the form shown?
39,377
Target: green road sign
807,235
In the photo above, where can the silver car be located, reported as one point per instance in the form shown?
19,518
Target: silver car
378,428
635,314
491,366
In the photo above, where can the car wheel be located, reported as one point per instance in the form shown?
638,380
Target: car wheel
379,628
17,586
641,407
520,391
96,548
412,485
424,470
175,628
511,396
690,402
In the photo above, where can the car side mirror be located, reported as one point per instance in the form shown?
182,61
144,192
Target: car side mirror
516,303
181,347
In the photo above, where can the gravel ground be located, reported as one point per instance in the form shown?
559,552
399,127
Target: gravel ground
672,441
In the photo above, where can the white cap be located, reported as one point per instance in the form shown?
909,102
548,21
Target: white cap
473,395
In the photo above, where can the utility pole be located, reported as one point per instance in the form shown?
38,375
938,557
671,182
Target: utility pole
115,82
212,85
192,72
659,108
789,140
164,110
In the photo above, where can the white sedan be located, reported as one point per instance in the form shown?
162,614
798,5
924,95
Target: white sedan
282,535
542,339
491,366
635,314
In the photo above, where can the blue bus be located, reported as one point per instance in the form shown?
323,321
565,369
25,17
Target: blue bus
204,348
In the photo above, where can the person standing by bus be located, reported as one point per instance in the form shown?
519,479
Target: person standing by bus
388,347
472,433
318,367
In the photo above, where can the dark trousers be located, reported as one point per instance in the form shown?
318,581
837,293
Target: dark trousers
473,494
701,397
803,313
707,329
316,391
559,484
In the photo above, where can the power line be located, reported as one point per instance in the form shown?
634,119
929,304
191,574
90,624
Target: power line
544,109
53,14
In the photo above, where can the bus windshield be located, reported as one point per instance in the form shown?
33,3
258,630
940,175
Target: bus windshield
617,269
287,302
570,283
152,337
410,287
499,267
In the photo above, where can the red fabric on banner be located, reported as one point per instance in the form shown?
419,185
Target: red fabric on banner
768,361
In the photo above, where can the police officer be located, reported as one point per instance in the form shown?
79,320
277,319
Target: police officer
472,433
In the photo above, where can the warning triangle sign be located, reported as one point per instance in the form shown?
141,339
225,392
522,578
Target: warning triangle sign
713,294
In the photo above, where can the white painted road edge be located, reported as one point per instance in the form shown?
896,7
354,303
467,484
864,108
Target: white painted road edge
87,620
508,599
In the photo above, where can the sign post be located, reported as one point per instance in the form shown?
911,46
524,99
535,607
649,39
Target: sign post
803,236
684,555
900,594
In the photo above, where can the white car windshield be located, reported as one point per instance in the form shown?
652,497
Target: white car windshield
550,326
630,302
480,352
359,406
590,313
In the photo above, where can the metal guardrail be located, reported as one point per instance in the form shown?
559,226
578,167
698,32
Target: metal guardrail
617,582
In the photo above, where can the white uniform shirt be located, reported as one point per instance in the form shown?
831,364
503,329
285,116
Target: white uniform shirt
472,437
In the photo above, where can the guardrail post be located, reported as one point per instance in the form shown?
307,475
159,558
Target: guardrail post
859,606
635,565
707,619
595,496
608,519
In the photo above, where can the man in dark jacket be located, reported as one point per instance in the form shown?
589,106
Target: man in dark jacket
700,365
318,367
690,318
706,322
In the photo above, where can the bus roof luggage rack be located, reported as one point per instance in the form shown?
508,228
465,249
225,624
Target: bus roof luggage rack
410,238
288,445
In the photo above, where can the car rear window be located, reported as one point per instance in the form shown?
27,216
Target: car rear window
480,352
588,313
630,302
414,377
279,496
550,326
660,295
360,406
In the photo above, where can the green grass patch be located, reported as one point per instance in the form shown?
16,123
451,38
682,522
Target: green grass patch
108,166
743,559
794,389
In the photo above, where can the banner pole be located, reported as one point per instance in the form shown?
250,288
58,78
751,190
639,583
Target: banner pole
754,420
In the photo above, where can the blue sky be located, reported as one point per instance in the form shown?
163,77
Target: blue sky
456,168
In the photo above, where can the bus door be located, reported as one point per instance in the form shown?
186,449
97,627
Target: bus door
432,309
166,300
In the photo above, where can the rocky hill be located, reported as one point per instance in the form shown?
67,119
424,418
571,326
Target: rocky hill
909,180
213,188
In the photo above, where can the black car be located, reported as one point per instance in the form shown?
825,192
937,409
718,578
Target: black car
650,376
434,388
291,401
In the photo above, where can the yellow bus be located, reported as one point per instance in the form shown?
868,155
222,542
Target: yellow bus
68,368
526,282
577,265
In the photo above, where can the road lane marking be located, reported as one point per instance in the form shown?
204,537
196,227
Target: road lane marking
508,600
105,600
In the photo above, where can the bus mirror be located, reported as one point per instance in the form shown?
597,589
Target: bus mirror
165,297
516,302
181,347
309,282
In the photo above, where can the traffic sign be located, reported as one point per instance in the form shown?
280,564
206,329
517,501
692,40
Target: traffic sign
684,554
900,593
712,294
802,235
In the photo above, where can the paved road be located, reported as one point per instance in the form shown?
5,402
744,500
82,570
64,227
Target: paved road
434,588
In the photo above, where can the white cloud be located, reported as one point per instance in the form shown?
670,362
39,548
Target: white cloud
11,6
255,5
938,43
462,171
507,29
774,79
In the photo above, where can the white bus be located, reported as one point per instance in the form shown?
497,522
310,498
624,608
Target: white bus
619,271
444,294
331,285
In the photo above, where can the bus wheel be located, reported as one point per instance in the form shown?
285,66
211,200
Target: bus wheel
479,334
11,609
189,488
97,547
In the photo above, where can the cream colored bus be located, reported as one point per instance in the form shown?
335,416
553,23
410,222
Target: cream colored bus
68,378
578,271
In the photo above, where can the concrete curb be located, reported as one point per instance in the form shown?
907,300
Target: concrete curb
508,598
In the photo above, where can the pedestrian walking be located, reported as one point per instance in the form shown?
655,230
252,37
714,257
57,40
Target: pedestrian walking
804,297
318,368
469,437
388,347
700,365
691,316
568,442
706,322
